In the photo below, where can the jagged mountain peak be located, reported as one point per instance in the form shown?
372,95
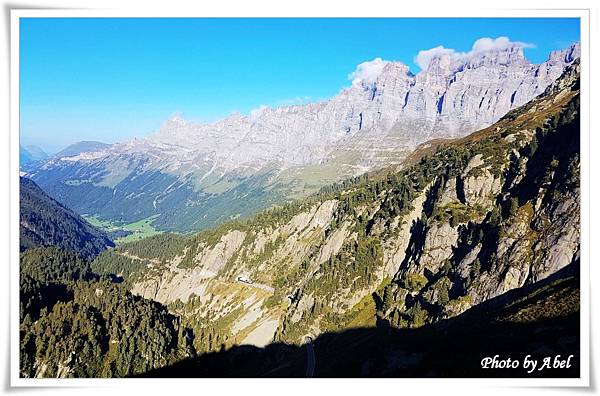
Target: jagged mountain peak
567,55
381,82
511,55
499,52
176,119
367,73
441,64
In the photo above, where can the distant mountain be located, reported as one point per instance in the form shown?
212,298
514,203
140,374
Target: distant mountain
197,175
81,147
37,154
45,222
25,157
30,158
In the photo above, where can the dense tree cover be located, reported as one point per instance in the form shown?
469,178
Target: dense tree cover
112,261
76,324
209,331
45,273
54,265
36,298
45,222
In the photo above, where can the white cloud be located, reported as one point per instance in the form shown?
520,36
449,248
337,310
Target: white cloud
424,57
480,46
255,113
368,71
485,44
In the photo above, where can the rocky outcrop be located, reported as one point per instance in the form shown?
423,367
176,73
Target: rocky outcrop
495,230
212,259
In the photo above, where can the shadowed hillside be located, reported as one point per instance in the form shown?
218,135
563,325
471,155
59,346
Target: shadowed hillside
541,320
45,222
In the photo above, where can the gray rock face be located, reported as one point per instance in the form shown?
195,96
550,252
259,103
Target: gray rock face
440,239
451,98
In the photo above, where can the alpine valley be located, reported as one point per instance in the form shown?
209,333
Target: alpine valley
409,226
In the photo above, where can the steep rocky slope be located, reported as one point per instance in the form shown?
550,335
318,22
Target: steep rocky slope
539,320
460,222
198,175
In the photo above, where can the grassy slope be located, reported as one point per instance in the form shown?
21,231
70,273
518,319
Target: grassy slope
139,230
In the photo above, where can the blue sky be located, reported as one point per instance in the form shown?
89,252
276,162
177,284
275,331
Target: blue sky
112,79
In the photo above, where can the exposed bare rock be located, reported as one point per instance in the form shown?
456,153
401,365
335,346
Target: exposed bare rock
305,303
333,244
395,248
263,334
439,241
213,259
448,192
559,244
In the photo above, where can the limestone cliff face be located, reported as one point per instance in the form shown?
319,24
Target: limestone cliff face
462,221
510,217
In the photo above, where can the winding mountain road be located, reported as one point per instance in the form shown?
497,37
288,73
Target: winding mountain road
310,358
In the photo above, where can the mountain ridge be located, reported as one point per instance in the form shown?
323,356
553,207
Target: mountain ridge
462,223
81,147
45,222
186,170
409,270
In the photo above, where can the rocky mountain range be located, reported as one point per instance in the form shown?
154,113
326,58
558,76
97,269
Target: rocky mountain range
462,222
192,176
414,269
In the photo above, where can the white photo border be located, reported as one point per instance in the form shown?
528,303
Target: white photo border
17,14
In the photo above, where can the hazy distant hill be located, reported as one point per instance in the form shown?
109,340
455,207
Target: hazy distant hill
25,157
80,147
37,153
